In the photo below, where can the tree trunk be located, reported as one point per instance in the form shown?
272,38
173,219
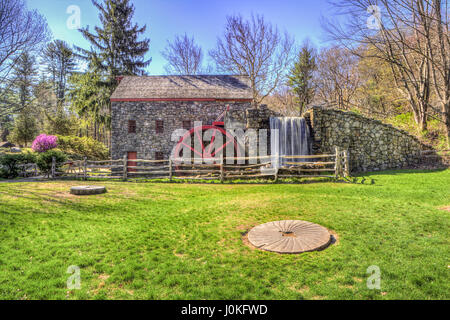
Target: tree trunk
446,120
421,121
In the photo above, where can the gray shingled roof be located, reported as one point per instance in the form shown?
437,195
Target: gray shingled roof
184,87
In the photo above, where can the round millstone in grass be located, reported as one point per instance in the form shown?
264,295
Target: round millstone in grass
87,190
289,236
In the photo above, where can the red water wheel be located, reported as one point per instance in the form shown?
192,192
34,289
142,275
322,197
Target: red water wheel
208,142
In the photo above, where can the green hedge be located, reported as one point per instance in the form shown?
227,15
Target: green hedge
77,148
44,160
10,162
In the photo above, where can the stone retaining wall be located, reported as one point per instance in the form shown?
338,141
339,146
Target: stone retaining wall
372,144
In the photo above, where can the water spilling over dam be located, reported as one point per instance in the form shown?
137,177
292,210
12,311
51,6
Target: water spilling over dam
290,136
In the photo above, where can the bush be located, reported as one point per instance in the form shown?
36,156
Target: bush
10,163
44,160
78,148
44,143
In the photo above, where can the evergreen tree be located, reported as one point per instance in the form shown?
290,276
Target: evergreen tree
61,122
60,64
115,51
88,98
6,125
24,80
25,127
300,78
115,48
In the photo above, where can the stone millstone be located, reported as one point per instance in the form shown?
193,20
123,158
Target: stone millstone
87,190
289,236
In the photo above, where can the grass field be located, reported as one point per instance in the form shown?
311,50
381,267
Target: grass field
184,241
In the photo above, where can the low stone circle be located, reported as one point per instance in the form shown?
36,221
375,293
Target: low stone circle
289,236
87,190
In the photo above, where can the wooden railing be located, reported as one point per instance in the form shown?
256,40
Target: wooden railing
335,165
310,166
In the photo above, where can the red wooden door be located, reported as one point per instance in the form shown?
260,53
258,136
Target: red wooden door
132,155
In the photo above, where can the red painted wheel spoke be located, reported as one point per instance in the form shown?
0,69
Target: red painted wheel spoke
200,140
222,147
212,141
183,143
206,153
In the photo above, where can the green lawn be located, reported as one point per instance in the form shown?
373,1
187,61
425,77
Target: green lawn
184,241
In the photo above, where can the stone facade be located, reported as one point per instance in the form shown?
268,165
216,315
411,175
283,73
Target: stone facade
146,141
372,144
251,118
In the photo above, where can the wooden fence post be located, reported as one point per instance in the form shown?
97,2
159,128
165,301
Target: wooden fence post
346,164
337,165
170,170
277,164
125,167
222,175
53,167
85,168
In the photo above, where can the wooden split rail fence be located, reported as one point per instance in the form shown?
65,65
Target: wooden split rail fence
311,166
326,165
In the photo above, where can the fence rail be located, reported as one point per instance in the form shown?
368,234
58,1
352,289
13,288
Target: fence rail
334,165
303,166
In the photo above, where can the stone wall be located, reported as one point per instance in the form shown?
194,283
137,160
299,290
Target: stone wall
146,142
372,144
251,118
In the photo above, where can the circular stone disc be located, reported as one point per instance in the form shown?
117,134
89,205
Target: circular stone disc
289,236
87,190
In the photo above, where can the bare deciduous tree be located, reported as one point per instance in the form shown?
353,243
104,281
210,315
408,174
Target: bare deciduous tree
283,101
257,49
183,56
440,59
413,37
336,78
21,31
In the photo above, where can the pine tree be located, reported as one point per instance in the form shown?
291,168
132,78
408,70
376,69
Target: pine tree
24,80
116,49
25,128
60,64
88,98
300,78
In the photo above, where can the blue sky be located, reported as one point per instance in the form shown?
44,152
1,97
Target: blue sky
204,19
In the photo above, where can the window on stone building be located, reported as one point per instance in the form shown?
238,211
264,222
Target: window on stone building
131,126
159,126
159,155
187,125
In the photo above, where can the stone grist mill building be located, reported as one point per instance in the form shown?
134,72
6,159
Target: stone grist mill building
146,110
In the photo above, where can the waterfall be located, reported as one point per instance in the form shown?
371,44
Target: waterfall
289,136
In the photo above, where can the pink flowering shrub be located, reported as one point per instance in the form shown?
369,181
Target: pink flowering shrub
44,142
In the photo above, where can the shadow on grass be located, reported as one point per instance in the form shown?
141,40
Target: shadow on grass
399,171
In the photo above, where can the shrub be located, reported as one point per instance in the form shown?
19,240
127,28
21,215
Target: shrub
44,143
44,160
10,163
77,147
